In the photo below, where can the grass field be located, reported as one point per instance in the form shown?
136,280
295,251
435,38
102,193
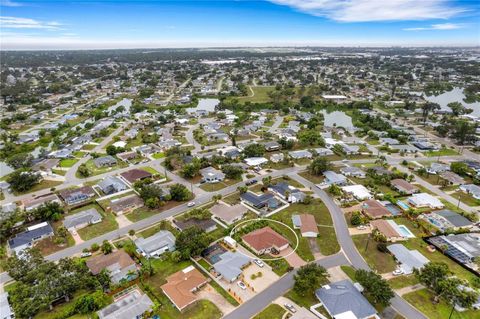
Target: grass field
260,94
158,155
465,198
423,301
382,262
442,152
42,185
273,311
403,281
68,162
107,224
145,212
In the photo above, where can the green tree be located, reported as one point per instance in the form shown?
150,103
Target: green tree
191,242
254,150
308,278
23,181
106,247
51,211
232,172
318,166
356,219
180,192
311,138
427,108
83,170
375,286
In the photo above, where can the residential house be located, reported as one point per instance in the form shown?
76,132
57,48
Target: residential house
289,193
300,154
230,265
119,264
46,165
135,174
127,156
391,230
407,259
265,240
126,204
211,175
77,195
374,209
343,300
130,306
207,225
452,178
446,219
472,189
272,146
360,192
31,204
277,158
228,214
403,187
112,184
333,178
353,171
306,223
425,200
266,200
29,237
82,219
182,285
456,246
156,245
323,151
105,161
437,168
255,161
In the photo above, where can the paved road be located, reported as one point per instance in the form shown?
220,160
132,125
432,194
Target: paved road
348,247
277,289
276,124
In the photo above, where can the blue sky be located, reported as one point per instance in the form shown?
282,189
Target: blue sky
91,24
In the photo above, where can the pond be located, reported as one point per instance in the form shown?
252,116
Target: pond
337,119
455,95
205,104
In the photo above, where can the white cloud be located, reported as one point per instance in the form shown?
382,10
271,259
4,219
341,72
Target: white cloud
375,10
9,3
26,23
442,26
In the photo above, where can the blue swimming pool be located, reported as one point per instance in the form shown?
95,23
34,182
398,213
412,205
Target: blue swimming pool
403,205
405,232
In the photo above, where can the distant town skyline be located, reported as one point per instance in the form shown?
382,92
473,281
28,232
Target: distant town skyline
172,24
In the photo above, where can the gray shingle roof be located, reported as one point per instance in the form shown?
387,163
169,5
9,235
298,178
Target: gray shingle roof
341,297
231,264
84,217
155,242
455,219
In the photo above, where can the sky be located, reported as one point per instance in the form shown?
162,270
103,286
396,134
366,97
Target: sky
100,24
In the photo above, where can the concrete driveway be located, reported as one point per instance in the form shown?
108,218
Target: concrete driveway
260,282
210,294
292,258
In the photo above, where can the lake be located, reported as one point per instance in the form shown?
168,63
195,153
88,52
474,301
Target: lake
338,119
205,104
455,95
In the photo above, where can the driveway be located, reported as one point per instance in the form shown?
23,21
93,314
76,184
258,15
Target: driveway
292,258
264,276
302,312
210,294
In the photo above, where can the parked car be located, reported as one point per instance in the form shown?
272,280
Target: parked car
397,272
84,255
290,307
259,263
251,182
241,285
361,227
191,204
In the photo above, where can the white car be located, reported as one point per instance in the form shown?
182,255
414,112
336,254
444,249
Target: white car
259,263
397,272
83,255
241,285
361,227
191,204
290,307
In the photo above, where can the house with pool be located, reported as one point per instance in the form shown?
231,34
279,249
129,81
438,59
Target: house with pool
391,230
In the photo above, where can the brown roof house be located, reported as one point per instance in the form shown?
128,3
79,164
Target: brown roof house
389,229
124,205
228,214
374,209
119,264
265,240
182,285
306,223
403,187
135,174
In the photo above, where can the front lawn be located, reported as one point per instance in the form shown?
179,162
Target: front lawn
465,198
403,281
442,152
94,170
423,301
158,155
107,224
68,162
382,262
316,179
145,212
273,311
213,187
42,185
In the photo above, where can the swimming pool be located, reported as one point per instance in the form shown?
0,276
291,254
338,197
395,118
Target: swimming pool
403,205
405,232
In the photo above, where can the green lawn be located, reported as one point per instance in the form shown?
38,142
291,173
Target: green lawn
42,185
316,179
163,225
158,155
403,281
68,162
465,198
382,262
88,147
423,301
151,170
166,310
213,187
145,212
349,271
327,240
260,95
442,152
107,224
94,170
273,311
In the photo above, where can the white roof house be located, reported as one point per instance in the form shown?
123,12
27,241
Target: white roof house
408,259
425,200
360,192
255,161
